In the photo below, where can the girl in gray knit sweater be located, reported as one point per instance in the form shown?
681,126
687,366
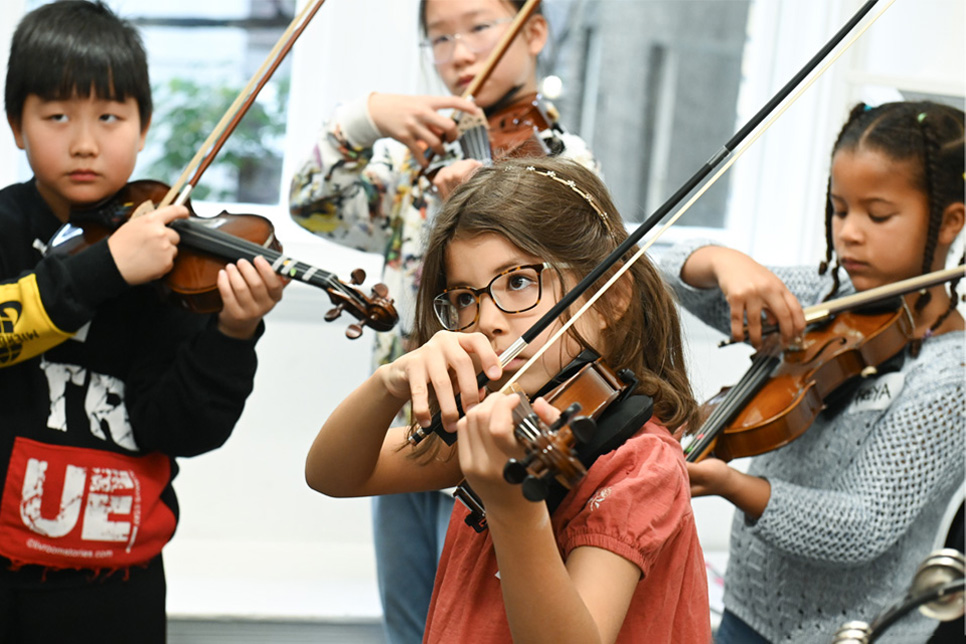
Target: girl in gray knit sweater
831,527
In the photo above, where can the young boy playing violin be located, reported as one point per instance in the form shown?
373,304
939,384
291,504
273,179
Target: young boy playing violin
102,384
361,186
832,527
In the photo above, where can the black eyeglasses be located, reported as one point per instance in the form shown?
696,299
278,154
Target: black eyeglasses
515,290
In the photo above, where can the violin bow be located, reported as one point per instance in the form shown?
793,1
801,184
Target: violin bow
492,61
239,107
500,48
725,158
823,310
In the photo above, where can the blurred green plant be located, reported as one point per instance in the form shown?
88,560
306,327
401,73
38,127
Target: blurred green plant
248,167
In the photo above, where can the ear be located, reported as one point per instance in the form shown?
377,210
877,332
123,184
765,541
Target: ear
953,219
536,32
621,293
15,127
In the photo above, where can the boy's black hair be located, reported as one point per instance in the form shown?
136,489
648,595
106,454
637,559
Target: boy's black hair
928,135
76,47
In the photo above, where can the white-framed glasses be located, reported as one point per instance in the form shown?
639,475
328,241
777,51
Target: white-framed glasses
515,290
479,38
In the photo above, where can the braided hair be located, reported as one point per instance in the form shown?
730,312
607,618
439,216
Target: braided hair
929,137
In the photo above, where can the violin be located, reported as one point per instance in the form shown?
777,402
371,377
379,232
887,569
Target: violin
511,128
557,456
624,253
207,244
783,391
510,131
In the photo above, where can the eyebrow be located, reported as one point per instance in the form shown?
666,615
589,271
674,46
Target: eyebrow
867,200
499,269
472,15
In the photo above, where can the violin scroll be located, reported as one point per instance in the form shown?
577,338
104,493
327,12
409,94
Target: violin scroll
549,450
375,311
557,456
208,243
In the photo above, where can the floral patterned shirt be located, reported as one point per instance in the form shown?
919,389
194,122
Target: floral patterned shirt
362,190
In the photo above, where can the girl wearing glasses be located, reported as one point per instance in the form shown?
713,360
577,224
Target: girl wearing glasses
360,186
618,560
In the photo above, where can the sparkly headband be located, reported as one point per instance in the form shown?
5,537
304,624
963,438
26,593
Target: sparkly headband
570,183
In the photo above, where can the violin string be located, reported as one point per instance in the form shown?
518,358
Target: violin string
700,192
234,248
484,152
734,401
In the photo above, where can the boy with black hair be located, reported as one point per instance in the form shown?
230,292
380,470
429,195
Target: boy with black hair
101,383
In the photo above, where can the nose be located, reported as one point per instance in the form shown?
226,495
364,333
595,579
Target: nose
462,54
849,228
491,320
83,141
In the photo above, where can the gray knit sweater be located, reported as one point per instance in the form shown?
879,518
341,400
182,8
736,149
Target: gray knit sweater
857,501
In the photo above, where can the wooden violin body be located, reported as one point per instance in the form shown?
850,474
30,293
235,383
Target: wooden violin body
208,243
550,450
512,131
552,458
779,397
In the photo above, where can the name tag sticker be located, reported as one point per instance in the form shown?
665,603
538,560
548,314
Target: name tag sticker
877,394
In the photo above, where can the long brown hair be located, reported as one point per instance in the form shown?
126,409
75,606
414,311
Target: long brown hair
553,221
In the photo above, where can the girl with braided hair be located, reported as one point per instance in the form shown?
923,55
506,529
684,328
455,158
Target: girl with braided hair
832,527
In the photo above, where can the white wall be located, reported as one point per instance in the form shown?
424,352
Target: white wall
253,540
9,157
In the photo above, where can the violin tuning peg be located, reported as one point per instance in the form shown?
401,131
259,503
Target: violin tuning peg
358,276
583,428
381,290
514,472
332,314
535,489
353,331
565,416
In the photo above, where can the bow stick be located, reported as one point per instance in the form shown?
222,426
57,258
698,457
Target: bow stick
239,107
491,62
823,310
500,48
727,155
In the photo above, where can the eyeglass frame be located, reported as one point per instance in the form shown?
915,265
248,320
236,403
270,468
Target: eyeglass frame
458,36
478,292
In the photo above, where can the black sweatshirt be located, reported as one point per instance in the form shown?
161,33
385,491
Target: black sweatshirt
101,385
